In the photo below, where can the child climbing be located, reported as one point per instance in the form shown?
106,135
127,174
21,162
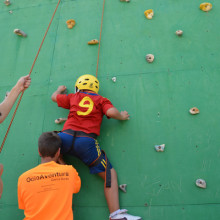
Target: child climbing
80,131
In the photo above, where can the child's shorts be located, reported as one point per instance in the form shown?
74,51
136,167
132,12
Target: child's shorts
86,149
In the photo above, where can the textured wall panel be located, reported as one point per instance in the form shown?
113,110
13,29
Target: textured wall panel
158,97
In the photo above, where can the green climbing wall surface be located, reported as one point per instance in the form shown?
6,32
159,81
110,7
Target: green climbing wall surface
158,96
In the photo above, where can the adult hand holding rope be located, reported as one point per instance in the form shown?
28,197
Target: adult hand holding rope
5,107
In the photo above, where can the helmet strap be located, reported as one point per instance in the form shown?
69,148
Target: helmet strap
76,89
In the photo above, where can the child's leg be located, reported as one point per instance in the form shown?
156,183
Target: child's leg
111,194
1,183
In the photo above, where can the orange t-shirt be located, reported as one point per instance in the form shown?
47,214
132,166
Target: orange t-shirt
45,192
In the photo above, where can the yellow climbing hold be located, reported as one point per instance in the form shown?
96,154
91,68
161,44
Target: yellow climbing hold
206,6
7,2
94,41
70,23
149,13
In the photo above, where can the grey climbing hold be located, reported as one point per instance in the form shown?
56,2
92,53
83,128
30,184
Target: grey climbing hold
7,2
160,148
150,58
114,79
194,111
179,32
60,120
123,187
10,11
201,183
20,32
124,0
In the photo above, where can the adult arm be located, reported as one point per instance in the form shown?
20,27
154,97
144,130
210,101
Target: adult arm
1,183
59,90
76,181
5,107
114,113
20,200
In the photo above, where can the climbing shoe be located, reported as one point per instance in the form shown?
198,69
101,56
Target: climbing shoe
122,215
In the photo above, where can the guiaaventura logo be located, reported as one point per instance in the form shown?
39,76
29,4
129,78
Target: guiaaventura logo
46,176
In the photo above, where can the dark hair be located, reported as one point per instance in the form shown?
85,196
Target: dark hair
48,144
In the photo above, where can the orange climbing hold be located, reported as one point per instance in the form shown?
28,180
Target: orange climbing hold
94,41
206,6
149,13
70,23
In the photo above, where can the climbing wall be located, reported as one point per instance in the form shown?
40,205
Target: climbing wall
158,96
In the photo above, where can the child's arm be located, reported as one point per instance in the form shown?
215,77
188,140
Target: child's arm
5,107
114,113
59,90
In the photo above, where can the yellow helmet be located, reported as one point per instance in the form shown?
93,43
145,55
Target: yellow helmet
87,82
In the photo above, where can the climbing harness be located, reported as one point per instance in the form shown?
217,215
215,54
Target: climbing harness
29,75
107,169
98,160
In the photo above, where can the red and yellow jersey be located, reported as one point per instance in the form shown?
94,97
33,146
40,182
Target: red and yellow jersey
86,111
45,192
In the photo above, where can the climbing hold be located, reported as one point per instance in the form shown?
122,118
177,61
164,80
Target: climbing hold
123,187
7,2
114,79
149,13
201,183
150,58
194,111
70,23
92,42
60,120
124,0
20,32
10,11
179,32
206,6
160,148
